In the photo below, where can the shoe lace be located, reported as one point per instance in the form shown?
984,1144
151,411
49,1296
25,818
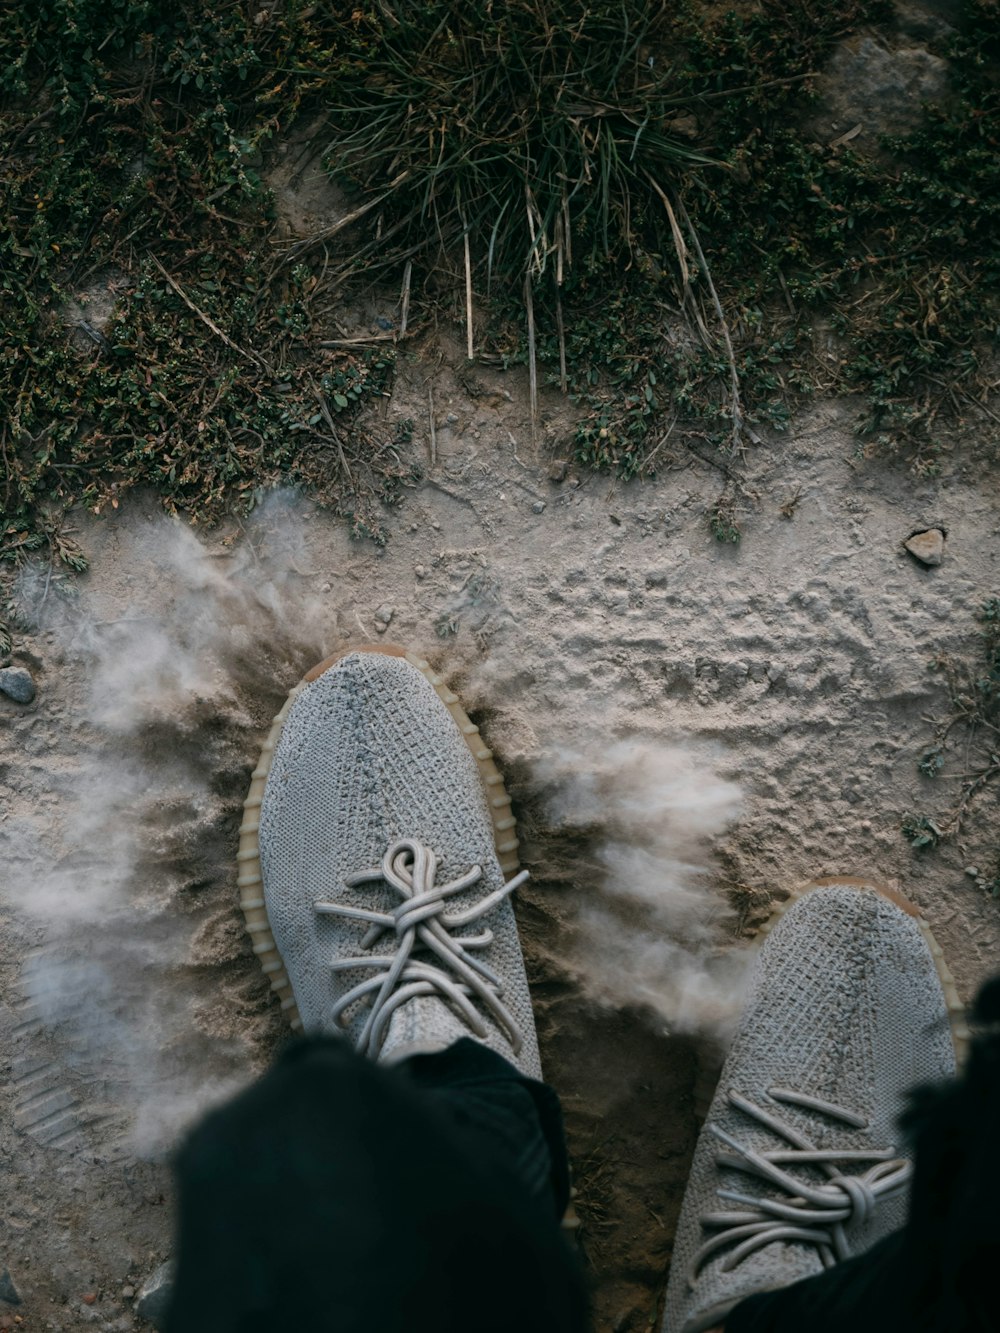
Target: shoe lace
421,921
815,1214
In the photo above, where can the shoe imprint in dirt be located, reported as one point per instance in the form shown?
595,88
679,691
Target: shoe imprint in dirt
799,1164
373,853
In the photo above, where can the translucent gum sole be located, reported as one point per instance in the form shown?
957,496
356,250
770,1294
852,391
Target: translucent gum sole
708,1071
249,878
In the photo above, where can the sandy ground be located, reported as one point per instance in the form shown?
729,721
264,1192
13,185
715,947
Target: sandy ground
769,699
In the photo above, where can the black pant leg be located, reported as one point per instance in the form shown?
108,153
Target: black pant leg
336,1194
517,1120
860,1295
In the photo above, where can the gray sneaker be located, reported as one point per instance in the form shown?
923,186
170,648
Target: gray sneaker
799,1163
373,853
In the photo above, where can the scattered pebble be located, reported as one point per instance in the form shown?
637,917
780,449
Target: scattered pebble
419,570
128,1293
8,1291
327,587
539,507
155,1295
89,1297
558,469
927,547
383,618
436,525
17,684
972,872
686,125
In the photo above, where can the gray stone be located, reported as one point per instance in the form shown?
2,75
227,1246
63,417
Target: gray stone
927,547
17,684
384,614
558,469
154,1295
685,125
877,90
538,507
8,1292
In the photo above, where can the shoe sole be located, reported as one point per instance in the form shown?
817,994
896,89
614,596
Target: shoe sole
709,1068
249,877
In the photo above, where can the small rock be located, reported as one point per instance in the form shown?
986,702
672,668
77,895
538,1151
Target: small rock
89,1297
384,615
128,1293
419,571
685,125
327,587
8,1291
538,507
17,684
927,547
972,872
154,1297
558,469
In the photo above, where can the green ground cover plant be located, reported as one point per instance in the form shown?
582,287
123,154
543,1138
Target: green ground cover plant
624,196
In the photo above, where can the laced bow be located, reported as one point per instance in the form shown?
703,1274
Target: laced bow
814,1214
421,921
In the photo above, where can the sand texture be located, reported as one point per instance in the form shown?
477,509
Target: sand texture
689,730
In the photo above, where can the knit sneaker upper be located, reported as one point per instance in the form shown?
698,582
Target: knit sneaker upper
799,1163
380,872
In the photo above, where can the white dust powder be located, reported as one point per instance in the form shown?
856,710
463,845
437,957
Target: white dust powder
176,670
652,932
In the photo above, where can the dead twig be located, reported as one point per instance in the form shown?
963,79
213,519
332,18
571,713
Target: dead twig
532,361
681,250
469,350
404,302
433,432
717,463
324,407
359,342
735,405
563,378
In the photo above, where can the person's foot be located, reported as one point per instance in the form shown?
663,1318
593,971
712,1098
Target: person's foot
799,1163
383,910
